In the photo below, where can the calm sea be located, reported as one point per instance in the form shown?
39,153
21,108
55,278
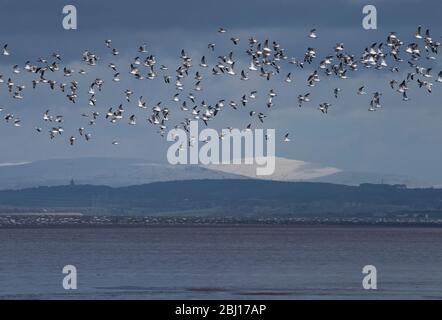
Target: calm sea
226,262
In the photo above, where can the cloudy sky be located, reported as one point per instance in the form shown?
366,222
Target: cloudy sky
402,138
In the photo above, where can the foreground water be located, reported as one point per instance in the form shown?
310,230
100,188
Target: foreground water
221,262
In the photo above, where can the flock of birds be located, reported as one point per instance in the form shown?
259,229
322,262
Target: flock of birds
266,59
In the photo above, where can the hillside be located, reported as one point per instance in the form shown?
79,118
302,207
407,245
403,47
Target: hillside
226,197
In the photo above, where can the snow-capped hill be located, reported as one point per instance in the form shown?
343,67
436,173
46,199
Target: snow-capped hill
285,170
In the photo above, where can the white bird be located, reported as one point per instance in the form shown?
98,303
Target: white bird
312,34
286,137
5,50
418,33
439,77
361,91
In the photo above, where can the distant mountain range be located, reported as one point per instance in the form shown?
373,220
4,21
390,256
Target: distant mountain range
117,172
227,197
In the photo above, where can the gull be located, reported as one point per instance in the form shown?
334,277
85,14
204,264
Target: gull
288,79
244,100
116,77
55,131
297,63
418,33
235,40
10,85
361,91
72,140
326,62
47,117
16,69
113,66
252,66
203,62
427,73
339,47
253,94
184,106
428,85
211,46
312,34
137,61
323,107
313,77
142,49
132,120
376,100
108,43
115,52
413,49
58,119
17,95
244,75
402,87
92,100
198,76
404,96
392,83
336,91
72,97
67,72
303,98
52,84
221,30
134,70
56,56
286,137
439,77
128,93
9,117
5,50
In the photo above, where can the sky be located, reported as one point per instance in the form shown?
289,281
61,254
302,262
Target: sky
403,138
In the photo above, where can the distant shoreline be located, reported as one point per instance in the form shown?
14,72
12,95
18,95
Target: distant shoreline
43,221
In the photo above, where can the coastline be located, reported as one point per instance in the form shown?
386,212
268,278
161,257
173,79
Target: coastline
81,221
